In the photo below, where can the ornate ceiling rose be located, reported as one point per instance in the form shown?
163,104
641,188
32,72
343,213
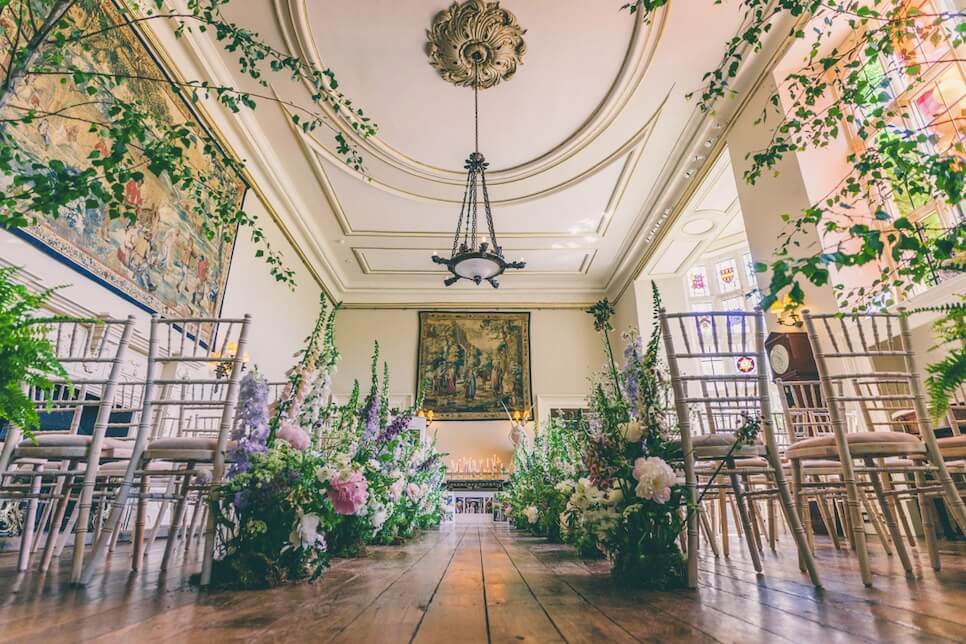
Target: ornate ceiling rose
475,37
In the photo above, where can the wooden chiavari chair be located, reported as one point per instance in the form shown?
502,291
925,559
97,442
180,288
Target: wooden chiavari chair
690,338
92,353
819,481
868,361
189,377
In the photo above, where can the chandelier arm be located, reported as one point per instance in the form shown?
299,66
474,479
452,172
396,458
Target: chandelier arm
489,215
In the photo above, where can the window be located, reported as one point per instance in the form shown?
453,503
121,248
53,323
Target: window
727,276
698,282
750,270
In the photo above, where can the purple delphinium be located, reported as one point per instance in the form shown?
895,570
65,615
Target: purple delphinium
370,414
397,426
251,423
633,357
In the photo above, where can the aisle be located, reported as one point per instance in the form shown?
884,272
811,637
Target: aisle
480,583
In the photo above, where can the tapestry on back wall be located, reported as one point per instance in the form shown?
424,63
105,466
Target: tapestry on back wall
162,261
472,365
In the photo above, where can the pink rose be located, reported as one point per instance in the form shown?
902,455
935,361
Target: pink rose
349,494
293,435
396,489
412,491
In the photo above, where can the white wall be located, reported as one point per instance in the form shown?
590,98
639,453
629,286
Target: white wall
564,352
281,318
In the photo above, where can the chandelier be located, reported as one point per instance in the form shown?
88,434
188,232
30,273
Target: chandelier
476,257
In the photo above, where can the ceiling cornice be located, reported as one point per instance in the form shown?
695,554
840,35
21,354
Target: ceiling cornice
629,270
293,20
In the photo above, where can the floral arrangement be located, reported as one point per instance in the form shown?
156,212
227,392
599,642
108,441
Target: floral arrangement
309,479
542,481
629,502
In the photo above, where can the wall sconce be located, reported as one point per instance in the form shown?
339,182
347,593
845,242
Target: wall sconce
787,312
221,365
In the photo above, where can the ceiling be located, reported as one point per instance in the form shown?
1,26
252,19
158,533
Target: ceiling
592,144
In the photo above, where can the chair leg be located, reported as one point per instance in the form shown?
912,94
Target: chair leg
828,520
193,525
706,525
178,516
772,525
71,524
209,549
743,515
56,519
138,536
853,507
801,506
889,516
723,518
791,517
27,535
877,525
928,528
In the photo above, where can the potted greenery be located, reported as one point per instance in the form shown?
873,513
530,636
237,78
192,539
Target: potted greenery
27,358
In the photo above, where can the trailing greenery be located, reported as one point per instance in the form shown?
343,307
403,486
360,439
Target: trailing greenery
43,39
949,374
27,358
902,163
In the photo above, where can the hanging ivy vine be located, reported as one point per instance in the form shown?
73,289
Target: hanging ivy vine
43,39
902,160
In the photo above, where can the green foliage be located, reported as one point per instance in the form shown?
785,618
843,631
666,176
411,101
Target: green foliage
258,513
856,84
27,358
44,37
949,374
543,478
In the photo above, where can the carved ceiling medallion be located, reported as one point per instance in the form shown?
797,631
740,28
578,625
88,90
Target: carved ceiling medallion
475,37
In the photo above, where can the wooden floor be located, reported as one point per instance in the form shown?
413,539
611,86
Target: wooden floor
472,583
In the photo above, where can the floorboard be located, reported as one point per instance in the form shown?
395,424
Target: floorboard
489,583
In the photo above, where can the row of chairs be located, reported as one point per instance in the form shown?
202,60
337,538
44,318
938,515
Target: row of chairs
104,442
865,362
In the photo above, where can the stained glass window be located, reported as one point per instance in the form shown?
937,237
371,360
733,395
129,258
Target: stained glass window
727,276
698,282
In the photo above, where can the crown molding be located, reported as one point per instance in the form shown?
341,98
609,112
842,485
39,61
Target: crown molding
294,23
678,196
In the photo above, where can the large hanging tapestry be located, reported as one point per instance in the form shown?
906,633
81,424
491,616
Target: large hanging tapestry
472,365
162,261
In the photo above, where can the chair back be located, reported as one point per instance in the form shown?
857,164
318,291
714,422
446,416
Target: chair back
91,352
804,409
868,361
191,387
716,360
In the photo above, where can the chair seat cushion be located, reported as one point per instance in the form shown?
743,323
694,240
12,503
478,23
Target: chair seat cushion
863,441
185,442
118,468
69,440
953,446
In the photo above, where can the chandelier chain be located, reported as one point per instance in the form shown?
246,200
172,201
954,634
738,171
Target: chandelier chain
476,107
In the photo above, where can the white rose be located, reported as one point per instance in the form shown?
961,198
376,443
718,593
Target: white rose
305,532
531,513
615,496
632,432
379,516
654,479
